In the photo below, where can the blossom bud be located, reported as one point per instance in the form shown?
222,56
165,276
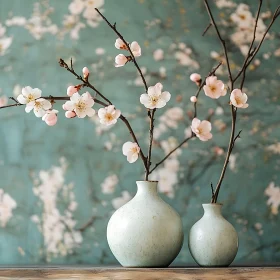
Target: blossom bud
70,114
71,90
193,99
196,78
85,72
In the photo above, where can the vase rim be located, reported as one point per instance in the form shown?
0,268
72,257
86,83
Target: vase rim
214,204
145,181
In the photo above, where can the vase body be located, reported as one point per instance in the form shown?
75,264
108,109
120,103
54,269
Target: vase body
146,231
213,241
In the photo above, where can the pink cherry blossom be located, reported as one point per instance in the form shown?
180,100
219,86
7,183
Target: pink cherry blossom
70,114
119,44
120,60
201,129
131,150
194,77
239,99
85,72
214,88
135,48
193,99
80,104
50,118
155,98
71,90
109,115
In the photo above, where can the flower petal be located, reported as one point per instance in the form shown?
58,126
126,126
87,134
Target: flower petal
21,99
132,157
90,112
126,147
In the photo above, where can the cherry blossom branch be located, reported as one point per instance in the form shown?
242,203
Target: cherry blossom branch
253,53
133,59
223,42
151,114
172,151
250,56
244,67
212,72
51,98
233,109
86,83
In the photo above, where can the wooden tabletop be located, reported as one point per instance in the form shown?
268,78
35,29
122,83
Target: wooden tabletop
118,273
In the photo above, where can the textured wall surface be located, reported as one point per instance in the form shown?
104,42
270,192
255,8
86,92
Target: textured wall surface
59,185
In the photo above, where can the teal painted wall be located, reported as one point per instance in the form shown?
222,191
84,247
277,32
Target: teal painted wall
54,180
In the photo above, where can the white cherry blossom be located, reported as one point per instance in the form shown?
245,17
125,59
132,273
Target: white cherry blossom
135,48
80,104
155,98
120,60
109,115
201,129
239,99
29,94
214,88
119,44
39,106
131,150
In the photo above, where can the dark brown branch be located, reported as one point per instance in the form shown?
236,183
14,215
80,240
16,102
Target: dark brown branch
250,53
113,27
86,83
172,151
206,29
151,116
233,110
253,53
221,40
230,148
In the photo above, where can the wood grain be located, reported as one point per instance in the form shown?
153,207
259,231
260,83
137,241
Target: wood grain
101,273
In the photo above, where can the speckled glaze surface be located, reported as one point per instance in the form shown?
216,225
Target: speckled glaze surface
146,231
213,241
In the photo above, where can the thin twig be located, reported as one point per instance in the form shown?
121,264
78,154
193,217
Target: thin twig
113,27
207,28
256,49
221,40
250,53
151,116
172,151
233,110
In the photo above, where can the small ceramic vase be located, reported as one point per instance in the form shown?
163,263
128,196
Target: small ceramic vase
146,231
213,241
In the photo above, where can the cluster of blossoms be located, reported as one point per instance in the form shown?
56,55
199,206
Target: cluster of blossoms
120,59
214,89
41,107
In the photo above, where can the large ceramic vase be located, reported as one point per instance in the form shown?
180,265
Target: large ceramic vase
213,241
146,231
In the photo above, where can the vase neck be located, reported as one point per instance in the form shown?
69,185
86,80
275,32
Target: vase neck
147,188
212,209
